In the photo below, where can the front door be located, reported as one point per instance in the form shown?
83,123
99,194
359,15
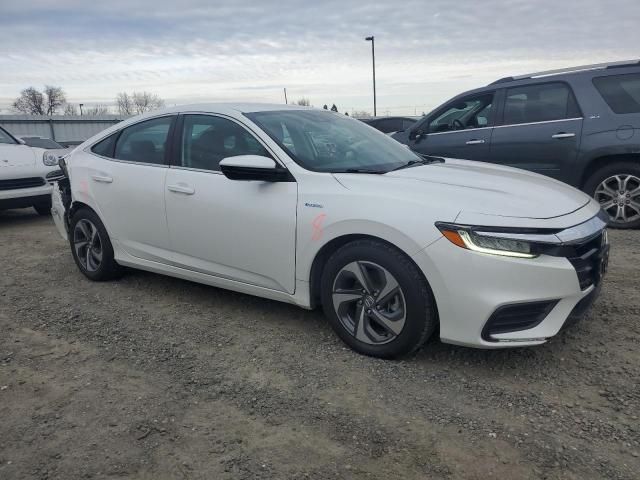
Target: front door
238,230
540,129
460,129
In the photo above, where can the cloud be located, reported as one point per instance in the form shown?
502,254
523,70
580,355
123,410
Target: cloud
209,50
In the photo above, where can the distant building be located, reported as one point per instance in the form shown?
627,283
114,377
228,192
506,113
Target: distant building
64,129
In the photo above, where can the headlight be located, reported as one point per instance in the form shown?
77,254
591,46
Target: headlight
485,241
50,159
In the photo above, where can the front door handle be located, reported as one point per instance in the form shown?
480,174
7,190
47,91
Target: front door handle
563,135
102,178
475,141
181,188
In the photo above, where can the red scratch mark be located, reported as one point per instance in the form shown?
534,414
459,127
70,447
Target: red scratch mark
316,224
84,188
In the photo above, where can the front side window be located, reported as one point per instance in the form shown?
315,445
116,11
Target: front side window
6,138
144,142
206,140
463,114
621,92
326,142
539,103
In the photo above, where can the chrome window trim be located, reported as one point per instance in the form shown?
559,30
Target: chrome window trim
539,123
460,131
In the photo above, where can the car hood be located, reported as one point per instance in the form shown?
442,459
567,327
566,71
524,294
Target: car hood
477,187
17,156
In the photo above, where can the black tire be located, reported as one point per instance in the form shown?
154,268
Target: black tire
43,209
106,268
621,169
420,314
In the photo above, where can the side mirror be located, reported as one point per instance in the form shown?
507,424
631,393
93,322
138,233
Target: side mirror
254,167
416,134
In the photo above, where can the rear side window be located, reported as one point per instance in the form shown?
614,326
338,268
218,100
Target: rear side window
539,103
105,147
144,142
621,92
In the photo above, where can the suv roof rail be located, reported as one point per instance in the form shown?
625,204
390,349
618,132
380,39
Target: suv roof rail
582,68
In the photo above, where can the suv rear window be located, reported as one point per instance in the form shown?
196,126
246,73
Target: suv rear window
621,92
539,103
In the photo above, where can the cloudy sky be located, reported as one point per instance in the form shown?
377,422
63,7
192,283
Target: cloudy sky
189,51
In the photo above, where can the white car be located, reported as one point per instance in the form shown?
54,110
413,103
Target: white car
26,173
309,207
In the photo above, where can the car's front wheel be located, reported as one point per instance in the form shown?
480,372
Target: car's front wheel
91,247
617,188
376,299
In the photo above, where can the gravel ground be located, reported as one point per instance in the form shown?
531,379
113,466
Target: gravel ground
153,377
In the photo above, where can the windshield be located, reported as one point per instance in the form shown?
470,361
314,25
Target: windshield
328,142
41,142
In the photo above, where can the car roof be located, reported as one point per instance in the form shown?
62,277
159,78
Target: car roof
230,107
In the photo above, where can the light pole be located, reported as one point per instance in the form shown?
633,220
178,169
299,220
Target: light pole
373,59
81,105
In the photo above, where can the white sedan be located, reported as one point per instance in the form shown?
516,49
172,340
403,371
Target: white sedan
26,172
313,208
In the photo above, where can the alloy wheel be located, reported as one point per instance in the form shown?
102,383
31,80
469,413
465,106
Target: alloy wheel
369,302
87,245
619,196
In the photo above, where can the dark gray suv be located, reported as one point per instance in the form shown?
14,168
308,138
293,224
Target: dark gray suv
579,125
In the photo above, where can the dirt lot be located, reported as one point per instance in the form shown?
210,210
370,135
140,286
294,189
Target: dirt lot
152,377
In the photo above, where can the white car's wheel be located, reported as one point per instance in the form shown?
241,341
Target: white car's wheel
91,247
376,299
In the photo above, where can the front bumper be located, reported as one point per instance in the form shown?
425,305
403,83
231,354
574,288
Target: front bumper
469,287
25,197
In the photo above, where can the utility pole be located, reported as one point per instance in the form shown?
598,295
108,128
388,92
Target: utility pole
372,39
285,97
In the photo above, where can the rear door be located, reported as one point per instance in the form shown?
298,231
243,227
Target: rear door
126,176
539,130
460,129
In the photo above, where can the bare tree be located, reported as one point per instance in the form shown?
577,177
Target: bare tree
98,109
55,99
137,102
360,114
35,102
70,109
304,102
145,101
30,101
125,103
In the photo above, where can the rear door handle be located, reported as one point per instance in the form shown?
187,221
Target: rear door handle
563,135
181,188
102,178
475,142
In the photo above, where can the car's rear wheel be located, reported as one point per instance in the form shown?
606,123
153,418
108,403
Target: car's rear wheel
376,299
91,247
617,189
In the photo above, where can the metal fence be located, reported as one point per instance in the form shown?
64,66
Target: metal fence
66,130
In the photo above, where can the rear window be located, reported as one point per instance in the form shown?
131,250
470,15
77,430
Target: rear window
539,103
621,92
105,147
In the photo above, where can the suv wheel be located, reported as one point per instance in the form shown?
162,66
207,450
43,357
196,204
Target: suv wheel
617,189
91,247
376,299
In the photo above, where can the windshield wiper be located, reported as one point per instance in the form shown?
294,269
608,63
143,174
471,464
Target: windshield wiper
425,160
360,170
